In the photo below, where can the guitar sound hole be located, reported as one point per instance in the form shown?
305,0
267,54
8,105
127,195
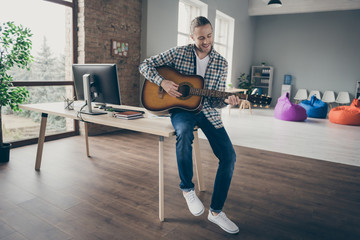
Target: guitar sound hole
184,90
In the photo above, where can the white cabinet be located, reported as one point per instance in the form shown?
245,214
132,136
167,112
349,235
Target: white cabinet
262,77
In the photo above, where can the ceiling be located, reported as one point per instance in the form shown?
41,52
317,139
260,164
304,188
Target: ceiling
259,7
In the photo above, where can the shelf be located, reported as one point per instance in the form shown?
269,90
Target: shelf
262,76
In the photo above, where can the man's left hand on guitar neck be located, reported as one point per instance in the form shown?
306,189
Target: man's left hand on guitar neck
232,100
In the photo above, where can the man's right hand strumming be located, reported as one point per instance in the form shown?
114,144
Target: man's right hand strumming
171,88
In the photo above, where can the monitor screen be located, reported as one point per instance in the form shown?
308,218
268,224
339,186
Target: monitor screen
104,82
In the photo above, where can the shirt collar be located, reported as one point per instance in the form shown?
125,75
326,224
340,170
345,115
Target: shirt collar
211,54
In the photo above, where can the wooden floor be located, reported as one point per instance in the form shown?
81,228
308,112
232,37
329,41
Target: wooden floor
114,194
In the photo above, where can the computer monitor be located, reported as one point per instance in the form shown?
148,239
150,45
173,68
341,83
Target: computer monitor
96,83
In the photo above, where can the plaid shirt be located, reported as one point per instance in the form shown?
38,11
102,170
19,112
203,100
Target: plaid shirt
183,59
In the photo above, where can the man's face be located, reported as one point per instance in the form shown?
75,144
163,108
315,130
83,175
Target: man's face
203,38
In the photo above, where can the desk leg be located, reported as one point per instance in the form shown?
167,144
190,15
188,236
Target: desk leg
161,178
197,159
41,141
86,139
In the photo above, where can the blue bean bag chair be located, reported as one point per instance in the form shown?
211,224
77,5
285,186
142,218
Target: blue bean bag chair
315,108
287,111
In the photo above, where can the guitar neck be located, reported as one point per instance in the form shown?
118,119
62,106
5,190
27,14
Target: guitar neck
214,93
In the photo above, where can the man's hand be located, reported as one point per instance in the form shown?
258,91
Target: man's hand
171,88
233,100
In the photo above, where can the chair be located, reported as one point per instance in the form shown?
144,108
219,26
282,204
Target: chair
343,98
346,115
255,91
316,93
315,108
288,111
245,104
300,95
329,97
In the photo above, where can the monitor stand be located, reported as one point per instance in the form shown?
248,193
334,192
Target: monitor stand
87,97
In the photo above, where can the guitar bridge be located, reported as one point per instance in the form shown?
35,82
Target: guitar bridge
161,93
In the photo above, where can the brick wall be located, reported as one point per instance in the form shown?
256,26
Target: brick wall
100,21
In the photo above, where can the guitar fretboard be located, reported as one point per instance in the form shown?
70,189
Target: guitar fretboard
214,93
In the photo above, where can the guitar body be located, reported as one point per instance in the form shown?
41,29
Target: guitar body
155,99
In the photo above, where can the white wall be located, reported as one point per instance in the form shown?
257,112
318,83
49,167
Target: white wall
160,29
320,50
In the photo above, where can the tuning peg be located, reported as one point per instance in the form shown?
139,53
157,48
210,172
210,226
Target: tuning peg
261,106
267,106
255,105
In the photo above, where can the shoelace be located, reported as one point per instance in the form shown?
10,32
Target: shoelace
190,196
224,217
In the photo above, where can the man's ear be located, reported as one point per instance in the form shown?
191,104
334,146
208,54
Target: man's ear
192,37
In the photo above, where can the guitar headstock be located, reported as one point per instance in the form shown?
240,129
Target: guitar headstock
261,100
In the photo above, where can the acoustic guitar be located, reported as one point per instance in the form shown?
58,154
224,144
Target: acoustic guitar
155,99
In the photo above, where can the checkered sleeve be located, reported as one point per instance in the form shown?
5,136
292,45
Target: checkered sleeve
147,67
221,84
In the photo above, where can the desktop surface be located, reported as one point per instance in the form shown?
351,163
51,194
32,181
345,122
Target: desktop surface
148,124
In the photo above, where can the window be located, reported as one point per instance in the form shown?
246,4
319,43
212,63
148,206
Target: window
50,75
188,10
224,38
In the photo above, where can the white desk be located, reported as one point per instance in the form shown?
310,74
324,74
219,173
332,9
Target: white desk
157,126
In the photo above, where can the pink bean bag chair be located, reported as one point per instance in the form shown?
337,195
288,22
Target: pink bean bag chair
346,115
287,111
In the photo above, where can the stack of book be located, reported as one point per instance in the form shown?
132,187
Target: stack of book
128,115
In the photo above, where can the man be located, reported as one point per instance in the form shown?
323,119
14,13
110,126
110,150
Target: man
199,58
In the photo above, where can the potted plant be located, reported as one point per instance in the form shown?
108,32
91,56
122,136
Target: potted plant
246,83
15,47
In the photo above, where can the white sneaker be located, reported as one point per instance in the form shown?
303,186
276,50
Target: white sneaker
222,221
194,204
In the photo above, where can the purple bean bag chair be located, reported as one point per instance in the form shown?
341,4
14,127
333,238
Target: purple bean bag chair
315,108
287,111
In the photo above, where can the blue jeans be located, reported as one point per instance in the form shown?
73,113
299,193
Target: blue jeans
184,123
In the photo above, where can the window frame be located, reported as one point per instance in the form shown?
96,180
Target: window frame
76,131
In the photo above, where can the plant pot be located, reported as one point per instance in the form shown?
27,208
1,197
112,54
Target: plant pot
5,152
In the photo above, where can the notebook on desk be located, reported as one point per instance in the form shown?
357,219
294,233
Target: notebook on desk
114,109
129,114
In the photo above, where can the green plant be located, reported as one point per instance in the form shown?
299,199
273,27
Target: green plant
15,47
245,82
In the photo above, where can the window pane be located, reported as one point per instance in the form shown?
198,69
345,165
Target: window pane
183,40
224,34
187,13
26,124
183,24
51,27
51,40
